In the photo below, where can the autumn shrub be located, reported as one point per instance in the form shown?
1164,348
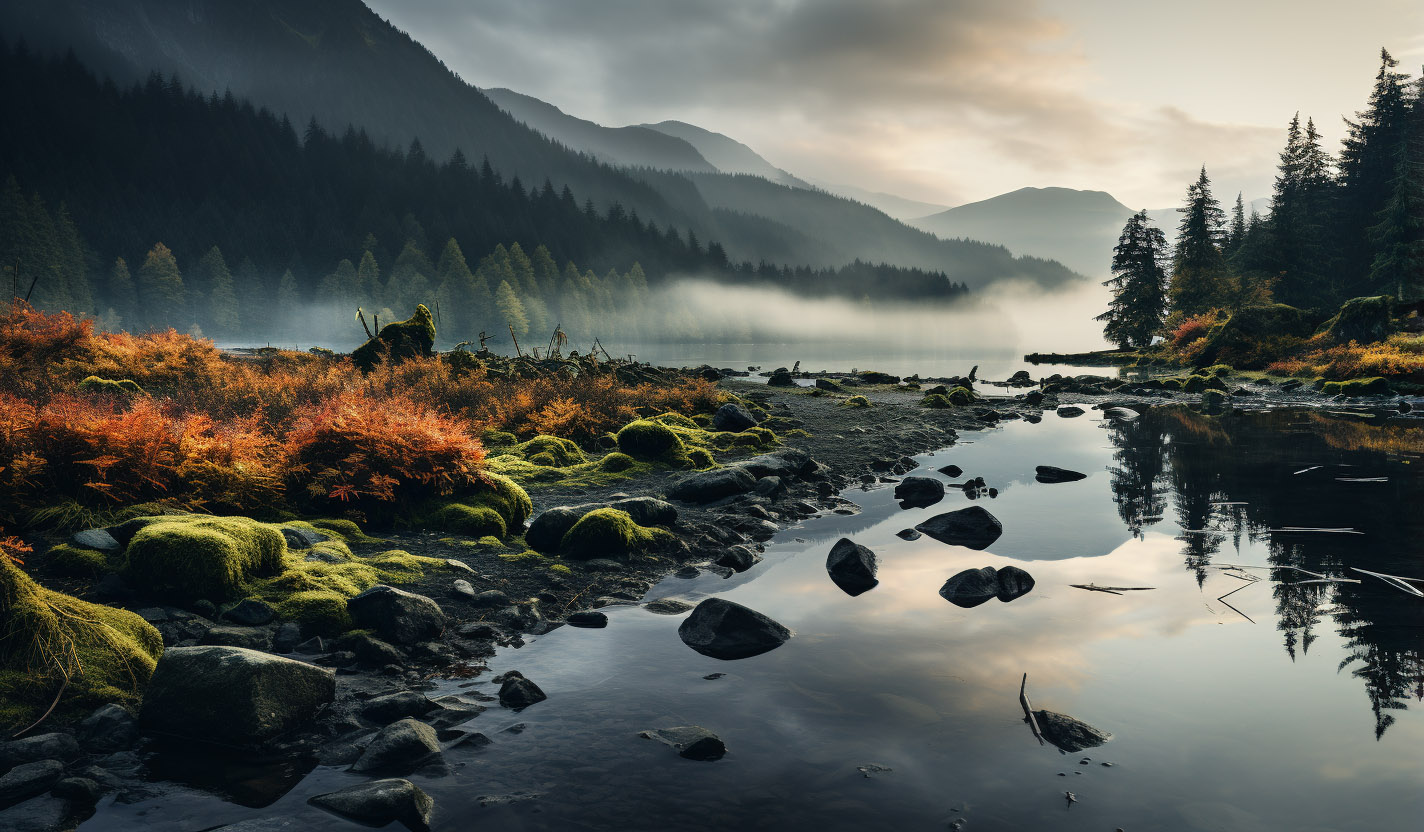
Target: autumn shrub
1192,328
1401,356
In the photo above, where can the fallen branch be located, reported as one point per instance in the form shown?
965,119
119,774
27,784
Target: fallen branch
1115,590
33,725
1396,581
1028,710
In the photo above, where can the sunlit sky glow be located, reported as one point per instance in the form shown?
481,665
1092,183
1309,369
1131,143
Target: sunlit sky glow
948,101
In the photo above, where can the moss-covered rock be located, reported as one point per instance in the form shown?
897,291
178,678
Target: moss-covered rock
504,496
876,377
1240,336
936,401
1362,320
76,561
551,451
46,637
111,387
1374,386
606,532
701,458
961,396
650,439
319,612
856,401
471,521
411,338
193,557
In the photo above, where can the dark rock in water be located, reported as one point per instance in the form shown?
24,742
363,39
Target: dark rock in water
738,558
1067,733
397,616
588,619
399,747
733,417
298,538
29,779
547,530
908,534
381,801
1014,583
971,587
972,527
386,709
1032,418
99,539
690,741
723,629
781,378
852,567
232,696
519,692
81,790
667,606
1050,474
52,746
110,728
1034,397
989,416
250,612
1121,414
252,638
1070,410
708,486
918,492
951,471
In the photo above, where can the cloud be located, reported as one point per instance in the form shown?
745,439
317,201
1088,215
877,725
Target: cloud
945,100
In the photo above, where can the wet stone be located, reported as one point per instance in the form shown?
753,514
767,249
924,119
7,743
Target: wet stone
691,742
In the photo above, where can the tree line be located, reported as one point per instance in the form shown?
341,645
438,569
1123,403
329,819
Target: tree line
1340,226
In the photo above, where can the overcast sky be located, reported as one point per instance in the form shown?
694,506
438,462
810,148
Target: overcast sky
948,101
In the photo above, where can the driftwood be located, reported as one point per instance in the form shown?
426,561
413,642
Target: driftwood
1028,710
1115,590
1312,530
1397,581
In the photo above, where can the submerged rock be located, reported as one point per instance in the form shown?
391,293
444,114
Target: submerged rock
399,747
918,492
1014,583
1070,410
690,741
852,567
232,696
908,534
726,630
519,692
1069,734
589,619
109,728
738,558
972,527
667,606
1051,474
381,801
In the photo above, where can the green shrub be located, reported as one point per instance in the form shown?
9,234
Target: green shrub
701,458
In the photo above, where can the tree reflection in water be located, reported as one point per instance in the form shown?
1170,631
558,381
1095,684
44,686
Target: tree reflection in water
1238,475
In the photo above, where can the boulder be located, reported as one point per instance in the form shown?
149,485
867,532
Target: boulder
1070,410
951,471
99,539
232,696
299,538
971,587
252,638
398,748
390,707
973,528
791,462
81,790
109,728
379,802
1014,583
1069,734
369,650
733,418
29,779
588,619
52,746
1051,474
827,384
738,558
646,511
851,567
918,492
908,534
770,487
519,692
397,616
667,606
547,530
709,486
690,741
45,813
723,629
781,378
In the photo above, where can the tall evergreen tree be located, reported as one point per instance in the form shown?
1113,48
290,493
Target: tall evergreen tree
1139,284
1236,233
120,293
222,315
160,289
511,310
1302,214
1200,281
1398,236
210,271
1368,167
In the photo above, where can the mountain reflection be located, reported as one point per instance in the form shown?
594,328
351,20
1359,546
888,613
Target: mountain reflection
1241,475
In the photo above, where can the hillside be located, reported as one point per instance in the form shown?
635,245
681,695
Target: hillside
726,153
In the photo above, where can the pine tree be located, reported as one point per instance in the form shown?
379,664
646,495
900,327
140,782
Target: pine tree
120,293
368,280
1302,208
1200,281
203,279
222,313
1236,234
1398,236
288,303
1139,284
1368,167
160,289
511,310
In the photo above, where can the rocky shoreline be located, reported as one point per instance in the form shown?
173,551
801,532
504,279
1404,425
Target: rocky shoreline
247,683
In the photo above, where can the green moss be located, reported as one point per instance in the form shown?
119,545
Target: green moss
319,612
346,529
961,396
611,468
856,401
560,569
76,561
936,401
107,655
504,496
1362,320
651,440
678,420
412,337
1172,383
550,451
489,541
608,531
528,556
701,458
1218,370
193,557
121,387
399,566
472,521
497,438
1374,386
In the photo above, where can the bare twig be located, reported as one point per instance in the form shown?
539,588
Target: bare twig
33,725
1115,590
361,316
1397,581
517,351
1028,710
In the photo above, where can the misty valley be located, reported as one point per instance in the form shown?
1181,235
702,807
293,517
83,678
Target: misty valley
716,415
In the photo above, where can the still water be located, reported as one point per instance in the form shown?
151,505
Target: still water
1281,706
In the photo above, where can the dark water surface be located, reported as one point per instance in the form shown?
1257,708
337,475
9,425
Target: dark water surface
1285,705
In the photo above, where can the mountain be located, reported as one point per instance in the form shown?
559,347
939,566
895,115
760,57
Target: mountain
726,153
634,146
1077,228
898,207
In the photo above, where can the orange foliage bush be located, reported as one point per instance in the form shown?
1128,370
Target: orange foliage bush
1401,356
12,547
1192,329
358,452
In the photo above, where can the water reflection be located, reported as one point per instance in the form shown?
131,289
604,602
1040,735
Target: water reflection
1244,474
